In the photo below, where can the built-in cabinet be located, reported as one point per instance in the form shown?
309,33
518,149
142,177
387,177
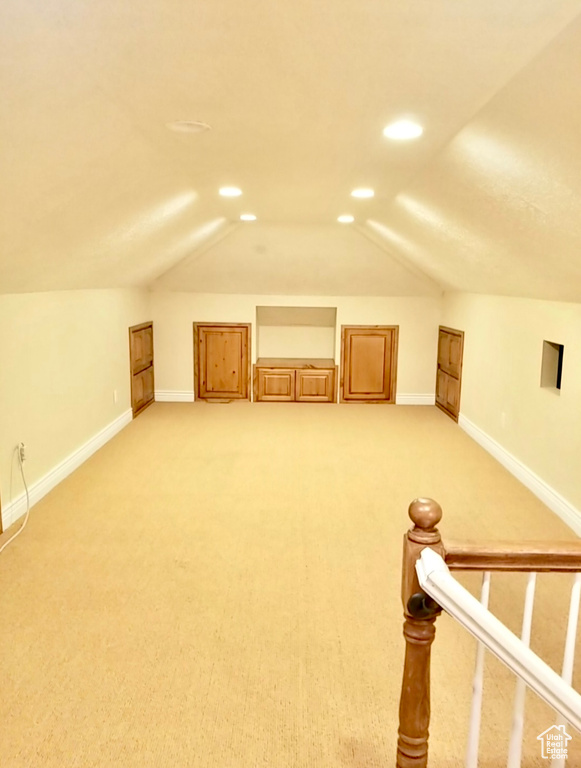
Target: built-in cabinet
449,370
300,380
141,364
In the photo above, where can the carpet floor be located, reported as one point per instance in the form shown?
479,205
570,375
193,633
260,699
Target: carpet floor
218,586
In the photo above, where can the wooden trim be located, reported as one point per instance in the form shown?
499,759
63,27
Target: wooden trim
141,326
393,370
342,364
197,362
450,330
540,556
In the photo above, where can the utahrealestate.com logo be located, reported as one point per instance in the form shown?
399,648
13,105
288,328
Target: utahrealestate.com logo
554,741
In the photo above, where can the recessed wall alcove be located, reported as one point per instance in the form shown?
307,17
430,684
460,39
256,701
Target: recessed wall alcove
296,332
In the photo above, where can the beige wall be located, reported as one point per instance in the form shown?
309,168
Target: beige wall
501,392
295,341
173,314
63,356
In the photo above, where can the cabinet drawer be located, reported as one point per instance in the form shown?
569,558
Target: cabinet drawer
315,386
275,384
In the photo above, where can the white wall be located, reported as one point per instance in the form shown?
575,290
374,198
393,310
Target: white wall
501,392
174,313
63,356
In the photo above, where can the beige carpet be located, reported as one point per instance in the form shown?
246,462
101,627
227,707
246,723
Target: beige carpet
219,586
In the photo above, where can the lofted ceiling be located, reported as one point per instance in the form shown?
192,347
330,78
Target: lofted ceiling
96,191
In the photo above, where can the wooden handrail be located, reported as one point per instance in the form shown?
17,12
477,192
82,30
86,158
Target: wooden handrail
420,611
539,556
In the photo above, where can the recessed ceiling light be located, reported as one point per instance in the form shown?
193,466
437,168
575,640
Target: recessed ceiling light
403,130
247,217
230,192
188,126
362,192
346,219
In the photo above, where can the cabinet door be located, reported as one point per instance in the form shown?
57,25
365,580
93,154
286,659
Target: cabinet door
221,361
369,363
275,384
315,385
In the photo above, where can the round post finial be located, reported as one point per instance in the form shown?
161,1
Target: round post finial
425,515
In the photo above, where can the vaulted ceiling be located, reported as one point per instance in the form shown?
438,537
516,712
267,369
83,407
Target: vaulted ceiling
96,191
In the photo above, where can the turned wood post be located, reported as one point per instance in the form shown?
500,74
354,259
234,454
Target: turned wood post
420,613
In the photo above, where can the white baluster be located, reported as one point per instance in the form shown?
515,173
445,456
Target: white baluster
569,655
477,686
515,745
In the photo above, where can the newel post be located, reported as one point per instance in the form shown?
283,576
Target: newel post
420,613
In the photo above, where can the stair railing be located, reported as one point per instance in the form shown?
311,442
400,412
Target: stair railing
428,587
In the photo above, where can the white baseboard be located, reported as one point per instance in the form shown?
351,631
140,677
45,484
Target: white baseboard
11,512
415,399
173,396
560,506
187,396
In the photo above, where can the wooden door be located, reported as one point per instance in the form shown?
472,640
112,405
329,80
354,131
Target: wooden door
275,384
449,370
141,362
315,385
222,361
368,363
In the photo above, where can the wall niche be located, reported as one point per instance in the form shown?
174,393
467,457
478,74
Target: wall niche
296,332
295,354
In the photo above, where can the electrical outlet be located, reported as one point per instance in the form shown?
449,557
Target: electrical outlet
22,452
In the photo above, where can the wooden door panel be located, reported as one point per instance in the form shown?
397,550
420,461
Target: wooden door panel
315,386
443,349
441,381
369,363
138,391
276,385
142,389
452,394
367,355
136,351
221,360
454,355
141,349
148,345
148,383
